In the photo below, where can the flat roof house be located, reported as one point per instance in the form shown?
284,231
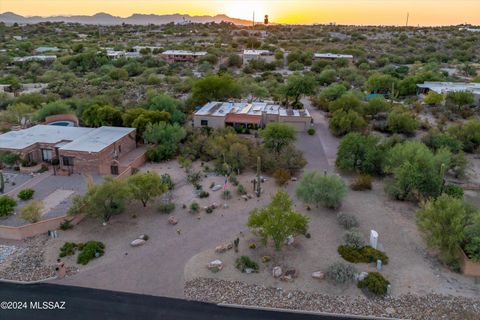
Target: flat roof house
182,55
332,56
249,55
249,115
34,58
446,87
104,150
46,49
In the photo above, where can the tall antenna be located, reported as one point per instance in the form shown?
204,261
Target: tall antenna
408,16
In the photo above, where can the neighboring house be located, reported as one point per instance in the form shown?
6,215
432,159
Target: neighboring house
182,55
104,150
46,49
24,89
446,87
139,48
43,58
112,54
332,56
249,55
249,115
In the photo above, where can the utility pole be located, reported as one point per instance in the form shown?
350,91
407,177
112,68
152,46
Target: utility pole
408,17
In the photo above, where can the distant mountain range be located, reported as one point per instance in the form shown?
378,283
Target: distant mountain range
108,19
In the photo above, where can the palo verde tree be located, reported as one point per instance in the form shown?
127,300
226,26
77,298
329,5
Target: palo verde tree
145,186
277,221
278,135
315,188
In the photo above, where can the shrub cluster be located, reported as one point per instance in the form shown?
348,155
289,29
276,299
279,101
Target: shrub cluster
352,238
245,262
346,220
89,250
340,273
362,182
365,254
166,207
68,249
26,194
375,283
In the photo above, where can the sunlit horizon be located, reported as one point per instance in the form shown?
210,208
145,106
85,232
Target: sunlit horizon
359,12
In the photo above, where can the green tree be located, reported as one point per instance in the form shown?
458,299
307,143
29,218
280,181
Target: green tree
468,134
277,221
297,86
400,120
380,83
98,115
315,188
7,206
277,136
32,212
460,98
360,152
442,222
139,118
215,88
343,122
166,138
102,200
432,98
146,186
52,108
168,104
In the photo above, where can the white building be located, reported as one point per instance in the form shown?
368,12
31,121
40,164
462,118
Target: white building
249,115
332,56
249,55
46,49
34,58
446,87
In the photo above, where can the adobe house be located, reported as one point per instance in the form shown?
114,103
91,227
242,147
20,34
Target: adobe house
182,55
104,150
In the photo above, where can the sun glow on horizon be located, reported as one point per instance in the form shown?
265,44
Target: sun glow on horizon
379,12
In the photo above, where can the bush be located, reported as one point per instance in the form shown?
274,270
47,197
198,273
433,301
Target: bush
353,238
89,250
375,283
7,205
26,194
311,131
343,122
227,194
362,182
68,249
454,191
281,176
315,188
194,207
340,273
203,194
241,190
167,180
347,221
245,262
366,254
233,180
66,225
166,207
401,121
32,212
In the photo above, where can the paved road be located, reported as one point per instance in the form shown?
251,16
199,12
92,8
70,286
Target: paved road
92,304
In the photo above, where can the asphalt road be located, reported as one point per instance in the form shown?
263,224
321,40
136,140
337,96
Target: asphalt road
91,304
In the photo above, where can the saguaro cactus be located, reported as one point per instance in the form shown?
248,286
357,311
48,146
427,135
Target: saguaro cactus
2,182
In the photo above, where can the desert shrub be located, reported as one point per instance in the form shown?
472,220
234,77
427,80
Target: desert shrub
281,176
346,220
194,207
227,194
233,180
166,207
241,190
32,212
362,182
244,262
366,254
26,194
203,194
89,250
7,205
66,225
401,121
343,122
353,238
340,273
68,249
316,188
311,131
375,283
454,191
167,180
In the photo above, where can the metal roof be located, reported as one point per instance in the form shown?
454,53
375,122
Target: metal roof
333,56
445,87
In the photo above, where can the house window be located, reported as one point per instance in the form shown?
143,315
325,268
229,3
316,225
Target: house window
67,161
30,157
204,123
46,154
114,170
120,149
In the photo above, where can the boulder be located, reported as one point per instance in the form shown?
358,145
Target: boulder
318,275
290,240
361,276
277,272
223,247
215,265
143,237
217,187
249,270
245,197
293,273
172,220
137,242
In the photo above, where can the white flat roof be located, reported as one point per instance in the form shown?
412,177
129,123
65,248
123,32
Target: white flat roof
21,139
221,109
256,52
445,87
185,52
67,138
97,139
332,56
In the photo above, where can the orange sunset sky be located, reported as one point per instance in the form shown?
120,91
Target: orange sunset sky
384,12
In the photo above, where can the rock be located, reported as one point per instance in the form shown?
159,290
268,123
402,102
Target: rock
244,197
215,265
390,310
318,275
293,273
290,240
249,196
276,272
360,276
214,205
224,247
137,242
143,237
249,270
172,220
217,187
